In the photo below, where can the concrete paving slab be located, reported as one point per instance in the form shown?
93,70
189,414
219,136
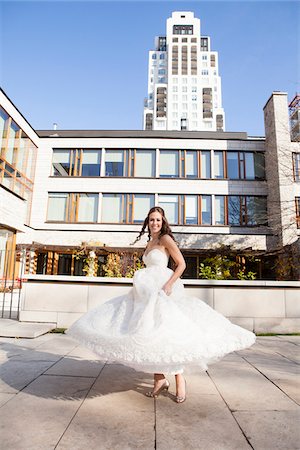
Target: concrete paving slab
15,375
116,415
5,397
294,339
244,388
224,406
279,370
27,330
41,413
202,422
271,430
208,427
74,366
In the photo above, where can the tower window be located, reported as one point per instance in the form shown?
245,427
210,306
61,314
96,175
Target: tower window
183,29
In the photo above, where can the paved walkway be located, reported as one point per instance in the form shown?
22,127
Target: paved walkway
55,394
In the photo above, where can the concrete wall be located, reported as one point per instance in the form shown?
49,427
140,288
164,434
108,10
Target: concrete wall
9,204
261,306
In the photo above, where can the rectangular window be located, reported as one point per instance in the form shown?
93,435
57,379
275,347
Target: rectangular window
4,118
87,208
13,134
205,164
112,208
72,207
57,207
114,163
144,163
191,209
218,164
191,164
249,166
296,166
142,203
169,164
205,209
170,205
297,205
90,163
234,210
219,210
259,166
256,210
232,165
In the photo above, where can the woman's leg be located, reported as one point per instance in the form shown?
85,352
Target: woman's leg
180,385
160,383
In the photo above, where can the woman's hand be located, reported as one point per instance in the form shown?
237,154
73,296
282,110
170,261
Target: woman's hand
167,288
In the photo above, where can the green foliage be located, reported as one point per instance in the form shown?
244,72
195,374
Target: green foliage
90,261
122,265
224,267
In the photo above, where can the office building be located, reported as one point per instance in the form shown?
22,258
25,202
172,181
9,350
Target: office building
184,85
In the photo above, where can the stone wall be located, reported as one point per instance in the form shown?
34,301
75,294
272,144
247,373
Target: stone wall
260,306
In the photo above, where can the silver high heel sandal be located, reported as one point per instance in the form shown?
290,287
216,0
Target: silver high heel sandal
179,399
164,387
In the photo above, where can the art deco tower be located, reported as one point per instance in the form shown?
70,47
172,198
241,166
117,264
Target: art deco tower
184,86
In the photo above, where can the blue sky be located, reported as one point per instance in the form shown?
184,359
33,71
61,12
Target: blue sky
84,64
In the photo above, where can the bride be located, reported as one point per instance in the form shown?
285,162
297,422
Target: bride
156,327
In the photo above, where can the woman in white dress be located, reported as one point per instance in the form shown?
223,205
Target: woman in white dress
156,327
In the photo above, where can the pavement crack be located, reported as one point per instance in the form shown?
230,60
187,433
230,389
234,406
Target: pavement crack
269,379
231,412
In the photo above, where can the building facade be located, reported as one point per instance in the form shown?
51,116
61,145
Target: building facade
92,190
19,143
184,86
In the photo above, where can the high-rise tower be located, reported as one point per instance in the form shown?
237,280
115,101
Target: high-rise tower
184,86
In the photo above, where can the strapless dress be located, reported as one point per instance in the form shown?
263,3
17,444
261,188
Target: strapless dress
156,333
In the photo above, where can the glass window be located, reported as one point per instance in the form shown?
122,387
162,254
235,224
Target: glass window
64,264
144,163
191,209
259,166
112,208
12,142
61,163
218,165
90,164
88,208
206,209
168,164
141,206
154,56
296,166
205,164
232,165
114,163
249,166
233,210
219,210
57,206
256,210
3,124
297,205
170,205
191,164
21,154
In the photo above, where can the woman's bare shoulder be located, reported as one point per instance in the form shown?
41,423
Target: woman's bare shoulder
166,240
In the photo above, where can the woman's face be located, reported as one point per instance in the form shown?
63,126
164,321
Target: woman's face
155,222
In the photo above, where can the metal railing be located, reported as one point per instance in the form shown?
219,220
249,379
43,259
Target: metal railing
12,265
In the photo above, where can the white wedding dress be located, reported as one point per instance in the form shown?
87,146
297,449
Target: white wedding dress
155,333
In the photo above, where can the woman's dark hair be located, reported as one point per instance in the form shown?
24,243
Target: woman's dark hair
165,229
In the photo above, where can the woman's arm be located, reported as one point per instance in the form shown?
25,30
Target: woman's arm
176,255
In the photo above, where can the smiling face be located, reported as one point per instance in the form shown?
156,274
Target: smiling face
155,223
